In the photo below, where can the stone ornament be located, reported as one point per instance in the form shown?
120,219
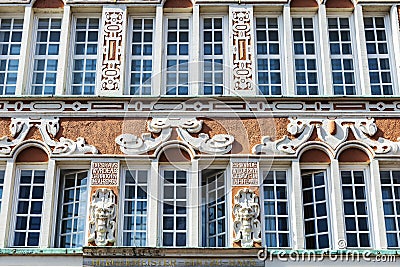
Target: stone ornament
241,48
112,39
102,217
48,128
133,145
332,133
246,210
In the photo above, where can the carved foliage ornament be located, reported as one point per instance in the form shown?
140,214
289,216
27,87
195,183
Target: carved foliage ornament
246,209
330,132
132,145
242,52
48,128
102,221
112,50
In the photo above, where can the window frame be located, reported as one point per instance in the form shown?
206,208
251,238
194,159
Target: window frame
289,187
365,167
318,59
166,17
282,52
17,174
29,88
71,53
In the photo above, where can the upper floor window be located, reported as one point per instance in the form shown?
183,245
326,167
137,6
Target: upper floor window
10,47
45,56
141,56
268,56
378,56
27,215
72,208
213,56
305,56
390,181
214,208
276,209
342,59
84,60
315,207
134,208
2,172
177,56
355,208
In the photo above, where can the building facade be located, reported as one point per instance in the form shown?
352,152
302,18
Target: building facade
199,133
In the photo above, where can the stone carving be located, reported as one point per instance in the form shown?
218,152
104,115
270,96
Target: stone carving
48,128
246,209
102,220
330,132
242,51
112,50
132,145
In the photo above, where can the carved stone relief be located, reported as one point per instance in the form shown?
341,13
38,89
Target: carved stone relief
102,220
48,128
112,40
246,210
133,145
332,133
242,51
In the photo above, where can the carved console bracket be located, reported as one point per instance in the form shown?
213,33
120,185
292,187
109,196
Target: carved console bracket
332,133
246,209
132,145
102,220
48,128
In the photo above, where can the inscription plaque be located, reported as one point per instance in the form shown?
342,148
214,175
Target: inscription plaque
244,174
105,173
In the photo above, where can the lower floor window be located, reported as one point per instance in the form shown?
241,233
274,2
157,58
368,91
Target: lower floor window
28,212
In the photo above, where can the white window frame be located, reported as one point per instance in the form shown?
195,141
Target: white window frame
354,56
130,57
9,57
18,170
290,206
168,16
392,200
29,88
367,183
72,55
136,168
224,57
316,30
389,41
326,168
218,171
282,52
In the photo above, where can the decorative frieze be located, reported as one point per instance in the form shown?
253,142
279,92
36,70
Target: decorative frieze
102,217
113,38
133,145
48,128
246,210
242,50
332,133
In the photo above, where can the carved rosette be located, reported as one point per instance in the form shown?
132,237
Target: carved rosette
112,39
48,127
331,133
246,226
133,145
102,217
242,52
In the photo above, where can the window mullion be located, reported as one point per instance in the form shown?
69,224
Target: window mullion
194,68
336,206
395,29
48,205
326,75
288,59
297,223
193,204
6,202
63,54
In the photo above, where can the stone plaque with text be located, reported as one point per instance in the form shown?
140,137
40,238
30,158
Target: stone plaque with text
105,173
244,173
